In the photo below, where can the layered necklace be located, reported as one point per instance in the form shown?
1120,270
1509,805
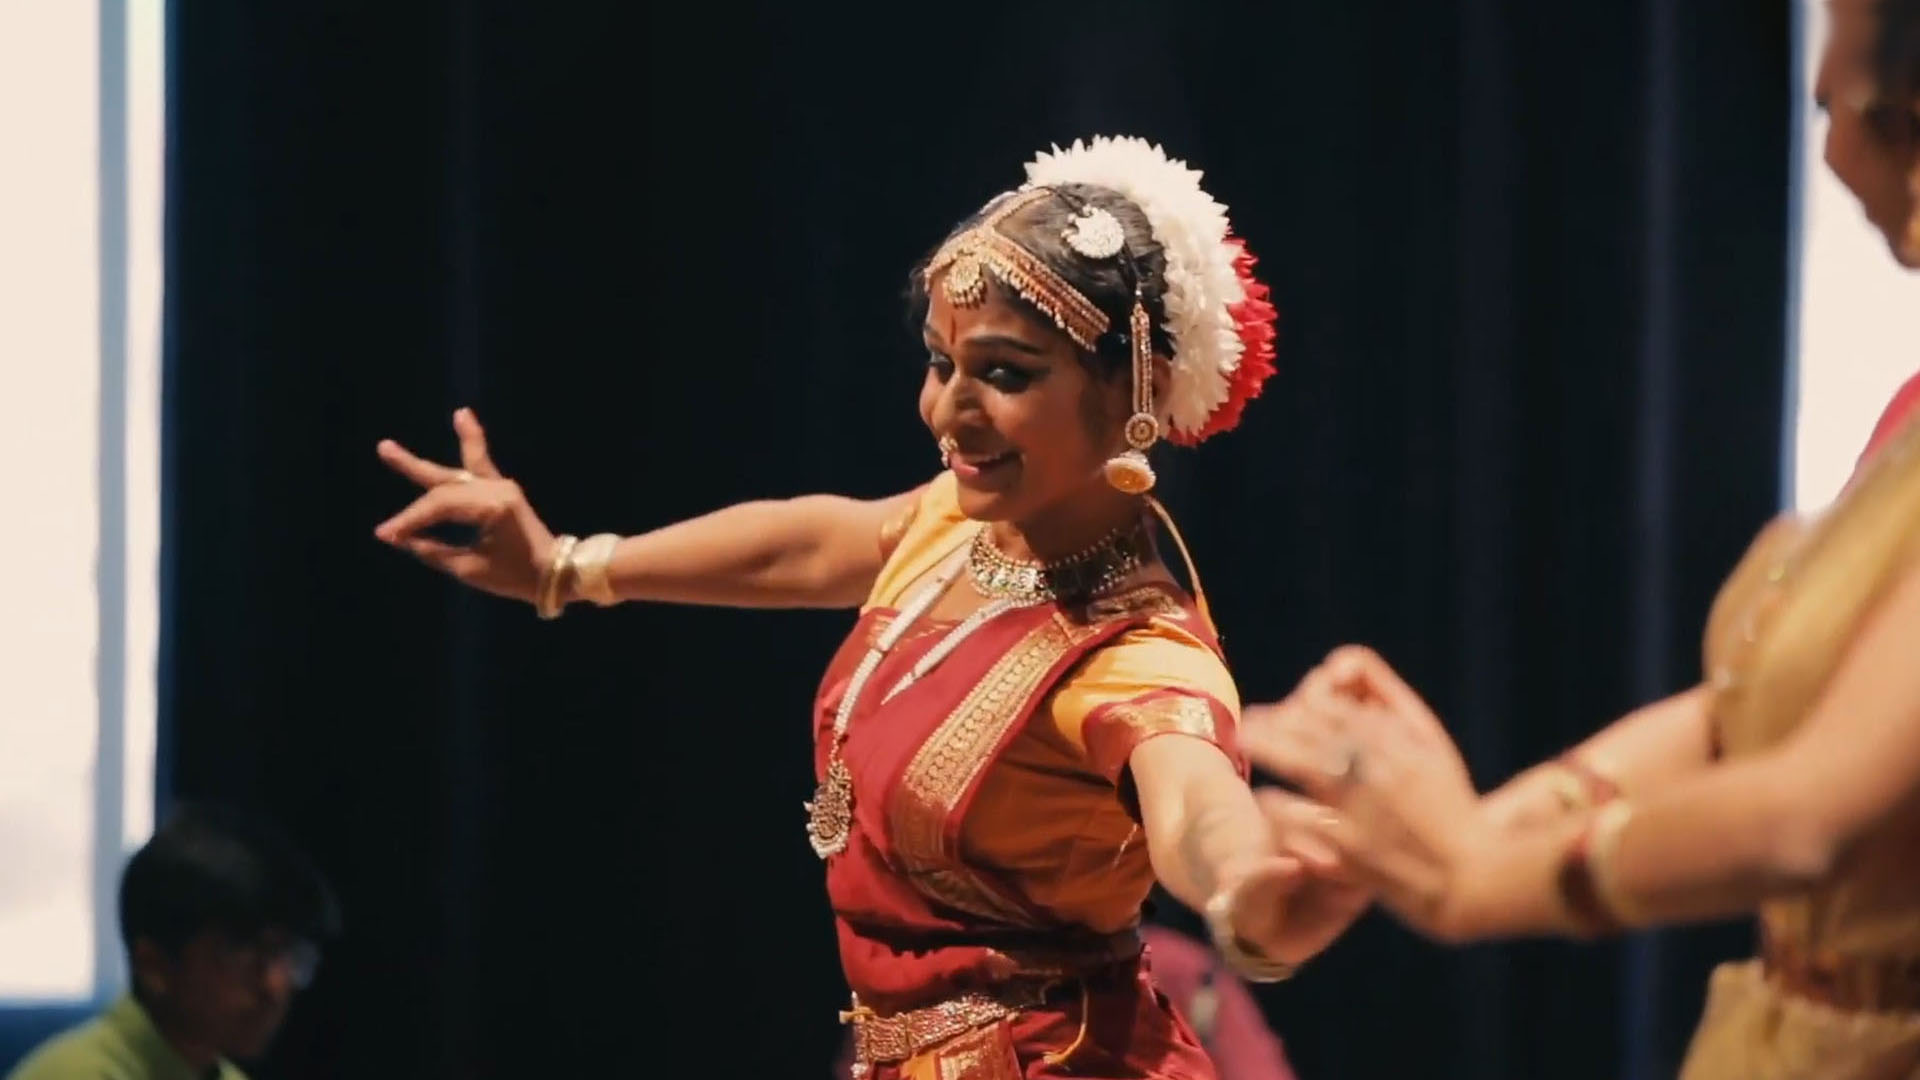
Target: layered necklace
1007,584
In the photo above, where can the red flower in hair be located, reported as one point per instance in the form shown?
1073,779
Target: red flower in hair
1253,318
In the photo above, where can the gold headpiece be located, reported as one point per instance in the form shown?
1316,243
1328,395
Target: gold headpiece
967,257
1093,234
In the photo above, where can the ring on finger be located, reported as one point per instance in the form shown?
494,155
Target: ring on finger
462,476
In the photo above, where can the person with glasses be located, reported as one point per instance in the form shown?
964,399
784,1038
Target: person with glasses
223,919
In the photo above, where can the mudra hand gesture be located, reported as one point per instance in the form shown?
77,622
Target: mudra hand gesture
512,546
1358,740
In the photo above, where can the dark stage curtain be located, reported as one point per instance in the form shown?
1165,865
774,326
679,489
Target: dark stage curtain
1531,266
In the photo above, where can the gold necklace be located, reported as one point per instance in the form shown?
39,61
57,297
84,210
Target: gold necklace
830,811
1082,575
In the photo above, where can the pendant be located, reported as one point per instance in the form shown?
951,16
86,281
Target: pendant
830,814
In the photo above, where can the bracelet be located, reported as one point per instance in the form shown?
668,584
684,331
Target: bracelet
1586,882
1579,784
1248,963
589,562
549,593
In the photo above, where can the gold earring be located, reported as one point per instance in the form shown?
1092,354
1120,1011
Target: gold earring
1129,470
949,446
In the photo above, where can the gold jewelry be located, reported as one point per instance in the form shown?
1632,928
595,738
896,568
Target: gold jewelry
949,446
462,476
830,811
1607,826
1248,963
590,562
967,258
1082,575
549,593
1586,885
1129,470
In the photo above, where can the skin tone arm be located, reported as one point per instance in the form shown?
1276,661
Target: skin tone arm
1205,833
819,551
1646,749
1711,844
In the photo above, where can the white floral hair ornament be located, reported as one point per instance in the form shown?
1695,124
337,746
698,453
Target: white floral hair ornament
1217,314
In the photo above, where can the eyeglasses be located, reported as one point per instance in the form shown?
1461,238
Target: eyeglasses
257,956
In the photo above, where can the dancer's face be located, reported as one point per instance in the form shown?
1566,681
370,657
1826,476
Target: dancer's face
1034,425
1872,150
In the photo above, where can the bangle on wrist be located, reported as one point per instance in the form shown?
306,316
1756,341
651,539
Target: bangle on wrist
1586,882
550,592
590,561
1246,962
1579,784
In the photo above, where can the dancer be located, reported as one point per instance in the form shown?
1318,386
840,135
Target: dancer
1787,784
995,794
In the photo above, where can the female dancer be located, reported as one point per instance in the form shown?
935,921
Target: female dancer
995,795
1788,784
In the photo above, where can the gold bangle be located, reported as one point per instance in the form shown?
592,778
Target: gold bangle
589,563
1607,826
1565,786
549,595
1248,963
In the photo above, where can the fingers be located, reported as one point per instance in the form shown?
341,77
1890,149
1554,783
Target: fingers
473,445
1297,754
447,558
1296,823
403,461
465,504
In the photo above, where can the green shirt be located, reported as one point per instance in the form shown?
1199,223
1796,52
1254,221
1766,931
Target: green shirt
119,1044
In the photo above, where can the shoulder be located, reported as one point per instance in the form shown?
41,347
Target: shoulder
916,536
85,1052
1168,664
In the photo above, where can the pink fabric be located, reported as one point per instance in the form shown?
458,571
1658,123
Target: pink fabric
1217,1005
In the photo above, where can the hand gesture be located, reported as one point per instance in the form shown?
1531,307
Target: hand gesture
1357,739
511,547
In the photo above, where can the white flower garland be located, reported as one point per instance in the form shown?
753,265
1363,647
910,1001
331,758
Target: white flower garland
1202,286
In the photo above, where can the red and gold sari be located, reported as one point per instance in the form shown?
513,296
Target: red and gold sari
987,901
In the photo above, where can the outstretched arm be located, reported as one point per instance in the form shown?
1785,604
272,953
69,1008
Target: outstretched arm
1647,748
813,551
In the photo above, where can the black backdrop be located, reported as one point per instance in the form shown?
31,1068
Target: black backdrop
1531,266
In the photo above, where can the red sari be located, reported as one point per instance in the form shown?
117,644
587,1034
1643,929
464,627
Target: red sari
923,919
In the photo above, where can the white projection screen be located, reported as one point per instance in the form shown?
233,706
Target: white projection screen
1857,313
82,117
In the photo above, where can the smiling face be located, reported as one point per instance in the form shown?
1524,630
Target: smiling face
1871,141
1032,424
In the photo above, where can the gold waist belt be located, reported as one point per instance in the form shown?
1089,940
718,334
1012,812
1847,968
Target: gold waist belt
885,1039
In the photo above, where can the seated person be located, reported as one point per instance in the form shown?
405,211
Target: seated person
222,920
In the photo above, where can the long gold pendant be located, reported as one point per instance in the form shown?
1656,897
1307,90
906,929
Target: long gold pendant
830,814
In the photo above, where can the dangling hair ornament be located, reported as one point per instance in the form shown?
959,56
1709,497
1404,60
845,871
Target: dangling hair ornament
1129,470
1218,320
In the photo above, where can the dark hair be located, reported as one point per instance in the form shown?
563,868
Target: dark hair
1108,283
212,868
1896,70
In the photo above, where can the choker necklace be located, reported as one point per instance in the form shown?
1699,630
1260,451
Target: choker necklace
1080,576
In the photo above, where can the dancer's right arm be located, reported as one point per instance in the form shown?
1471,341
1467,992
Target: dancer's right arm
815,551
812,551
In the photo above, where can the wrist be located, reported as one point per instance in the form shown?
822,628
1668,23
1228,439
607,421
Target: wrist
1251,959
551,587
